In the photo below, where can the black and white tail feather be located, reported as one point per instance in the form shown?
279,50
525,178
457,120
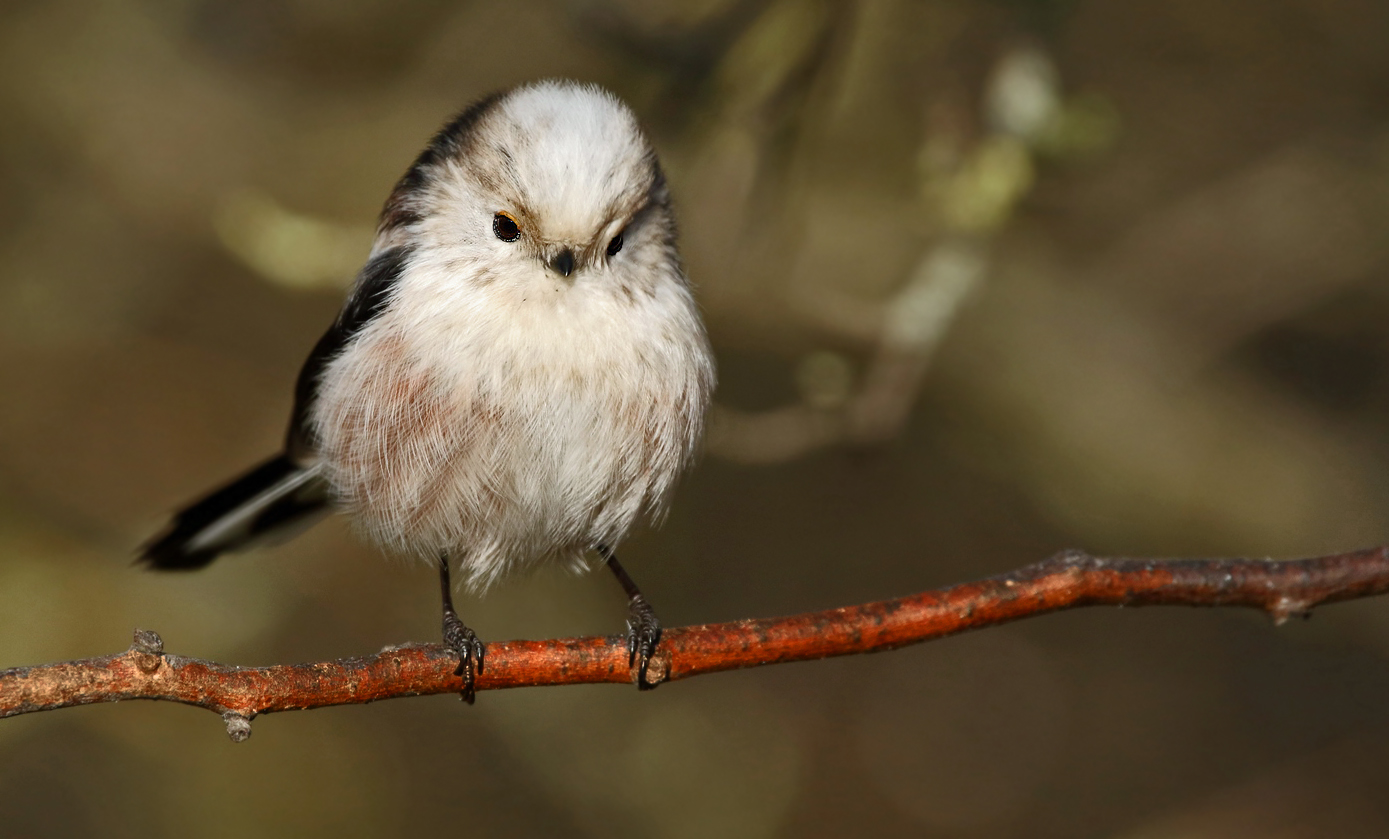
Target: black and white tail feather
273,501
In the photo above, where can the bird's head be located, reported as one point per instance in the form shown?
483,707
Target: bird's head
549,185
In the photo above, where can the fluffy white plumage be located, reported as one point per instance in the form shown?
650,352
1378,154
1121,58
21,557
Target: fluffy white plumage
495,409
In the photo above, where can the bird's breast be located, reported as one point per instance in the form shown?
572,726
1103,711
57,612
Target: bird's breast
518,437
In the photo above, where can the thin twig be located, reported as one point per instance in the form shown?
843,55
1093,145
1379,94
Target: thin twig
1066,581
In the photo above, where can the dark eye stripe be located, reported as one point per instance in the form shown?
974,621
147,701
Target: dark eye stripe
506,227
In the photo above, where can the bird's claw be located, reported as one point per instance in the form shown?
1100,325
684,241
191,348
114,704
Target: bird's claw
471,653
643,634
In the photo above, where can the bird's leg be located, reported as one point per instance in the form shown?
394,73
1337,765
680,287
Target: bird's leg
643,627
460,638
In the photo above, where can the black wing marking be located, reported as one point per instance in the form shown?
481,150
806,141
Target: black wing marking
373,291
377,280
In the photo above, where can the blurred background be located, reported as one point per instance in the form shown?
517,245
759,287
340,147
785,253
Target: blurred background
986,280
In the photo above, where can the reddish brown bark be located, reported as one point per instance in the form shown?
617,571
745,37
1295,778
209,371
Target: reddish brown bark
1063,582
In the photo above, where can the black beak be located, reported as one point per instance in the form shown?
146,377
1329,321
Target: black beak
563,262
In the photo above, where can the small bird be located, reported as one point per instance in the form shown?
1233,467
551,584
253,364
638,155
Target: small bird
519,373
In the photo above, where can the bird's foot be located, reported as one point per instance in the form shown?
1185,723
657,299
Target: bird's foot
643,634
471,653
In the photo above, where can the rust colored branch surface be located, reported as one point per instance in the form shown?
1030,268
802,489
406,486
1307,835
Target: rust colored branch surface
1066,581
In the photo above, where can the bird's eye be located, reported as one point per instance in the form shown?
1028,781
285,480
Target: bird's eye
506,227
615,245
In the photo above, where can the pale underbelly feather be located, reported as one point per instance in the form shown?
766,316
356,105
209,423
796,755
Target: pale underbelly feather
499,474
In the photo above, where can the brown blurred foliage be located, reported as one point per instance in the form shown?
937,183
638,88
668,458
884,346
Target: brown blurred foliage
987,279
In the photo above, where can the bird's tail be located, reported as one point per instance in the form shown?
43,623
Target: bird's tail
268,500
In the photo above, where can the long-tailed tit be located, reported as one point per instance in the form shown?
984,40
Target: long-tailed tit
519,373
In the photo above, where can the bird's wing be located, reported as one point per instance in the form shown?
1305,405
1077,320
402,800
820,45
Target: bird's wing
369,297
377,280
